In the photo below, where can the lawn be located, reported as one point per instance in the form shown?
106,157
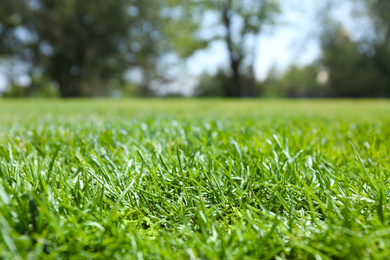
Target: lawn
194,179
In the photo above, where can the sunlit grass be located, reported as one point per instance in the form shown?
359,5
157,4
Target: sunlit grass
208,179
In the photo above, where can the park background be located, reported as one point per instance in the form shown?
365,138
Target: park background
215,48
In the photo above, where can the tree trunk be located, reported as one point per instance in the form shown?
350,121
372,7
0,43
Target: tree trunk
235,67
234,57
145,90
69,88
31,86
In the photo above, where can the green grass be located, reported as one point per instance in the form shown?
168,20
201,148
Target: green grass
194,179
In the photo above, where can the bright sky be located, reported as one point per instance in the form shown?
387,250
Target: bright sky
2,81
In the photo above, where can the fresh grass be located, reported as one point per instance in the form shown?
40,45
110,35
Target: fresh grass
194,179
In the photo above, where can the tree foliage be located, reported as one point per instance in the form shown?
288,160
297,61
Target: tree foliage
76,43
294,82
360,67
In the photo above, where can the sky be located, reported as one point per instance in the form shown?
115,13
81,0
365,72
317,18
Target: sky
3,81
291,42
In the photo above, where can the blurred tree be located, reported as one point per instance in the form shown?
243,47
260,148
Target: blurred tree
146,42
379,52
242,21
86,48
378,11
217,85
253,16
158,34
42,89
296,82
357,66
19,43
354,71
213,85
79,45
83,42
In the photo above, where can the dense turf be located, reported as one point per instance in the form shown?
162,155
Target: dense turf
150,179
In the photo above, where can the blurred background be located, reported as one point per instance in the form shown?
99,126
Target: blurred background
203,48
